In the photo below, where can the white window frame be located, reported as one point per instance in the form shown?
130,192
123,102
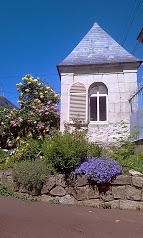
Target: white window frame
97,95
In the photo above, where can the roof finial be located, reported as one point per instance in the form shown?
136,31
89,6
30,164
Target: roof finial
95,24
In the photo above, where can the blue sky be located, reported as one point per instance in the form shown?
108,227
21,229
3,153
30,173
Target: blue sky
36,35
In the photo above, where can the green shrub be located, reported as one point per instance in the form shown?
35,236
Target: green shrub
123,151
134,162
3,156
31,175
67,151
93,150
6,191
28,149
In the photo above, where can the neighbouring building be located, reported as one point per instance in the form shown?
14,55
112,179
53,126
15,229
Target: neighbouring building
4,102
136,101
97,78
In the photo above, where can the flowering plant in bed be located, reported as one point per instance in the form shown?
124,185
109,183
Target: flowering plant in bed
101,170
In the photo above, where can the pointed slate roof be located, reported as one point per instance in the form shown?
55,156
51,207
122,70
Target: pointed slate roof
97,47
6,103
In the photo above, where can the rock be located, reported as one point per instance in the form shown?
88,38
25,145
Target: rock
71,180
7,180
45,198
45,189
35,192
128,204
16,187
67,199
107,197
93,192
137,181
119,192
8,173
81,180
71,191
23,190
49,184
60,180
81,193
122,180
90,202
135,173
58,191
133,193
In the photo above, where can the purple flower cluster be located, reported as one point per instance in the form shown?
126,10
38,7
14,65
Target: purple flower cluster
101,170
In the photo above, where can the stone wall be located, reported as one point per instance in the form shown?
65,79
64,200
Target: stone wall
125,192
120,83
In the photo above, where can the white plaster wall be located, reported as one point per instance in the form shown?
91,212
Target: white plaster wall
120,86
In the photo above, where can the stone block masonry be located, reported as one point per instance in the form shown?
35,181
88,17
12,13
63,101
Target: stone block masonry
125,192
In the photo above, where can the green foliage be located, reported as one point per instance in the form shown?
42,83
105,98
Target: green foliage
6,191
124,154
123,151
3,156
67,151
31,175
134,162
54,201
28,149
104,205
94,150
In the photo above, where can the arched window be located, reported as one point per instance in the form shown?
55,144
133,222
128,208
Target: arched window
77,107
98,96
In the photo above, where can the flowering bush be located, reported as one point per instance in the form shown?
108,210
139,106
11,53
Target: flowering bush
37,116
99,169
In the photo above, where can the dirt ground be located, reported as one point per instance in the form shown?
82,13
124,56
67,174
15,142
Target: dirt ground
19,219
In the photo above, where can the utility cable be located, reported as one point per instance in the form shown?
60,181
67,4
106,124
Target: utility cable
132,20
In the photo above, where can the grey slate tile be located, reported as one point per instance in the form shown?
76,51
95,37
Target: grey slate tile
97,47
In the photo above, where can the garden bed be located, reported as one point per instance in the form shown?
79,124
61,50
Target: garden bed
125,192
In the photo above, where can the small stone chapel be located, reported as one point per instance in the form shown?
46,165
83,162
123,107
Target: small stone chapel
97,78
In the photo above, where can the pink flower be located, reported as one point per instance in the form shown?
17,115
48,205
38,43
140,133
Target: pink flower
9,144
12,122
36,100
14,125
49,102
20,119
46,113
41,127
29,121
55,109
41,110
2,123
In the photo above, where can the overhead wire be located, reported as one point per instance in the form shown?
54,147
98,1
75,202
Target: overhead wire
131,22
136,47
127,17
36,75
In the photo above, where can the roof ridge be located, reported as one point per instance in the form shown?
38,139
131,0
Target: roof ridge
98,47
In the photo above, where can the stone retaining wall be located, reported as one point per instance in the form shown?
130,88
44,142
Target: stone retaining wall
125,192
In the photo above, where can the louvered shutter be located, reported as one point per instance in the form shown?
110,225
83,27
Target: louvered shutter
77,107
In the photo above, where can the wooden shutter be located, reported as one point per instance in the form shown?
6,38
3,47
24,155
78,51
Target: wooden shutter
77,102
